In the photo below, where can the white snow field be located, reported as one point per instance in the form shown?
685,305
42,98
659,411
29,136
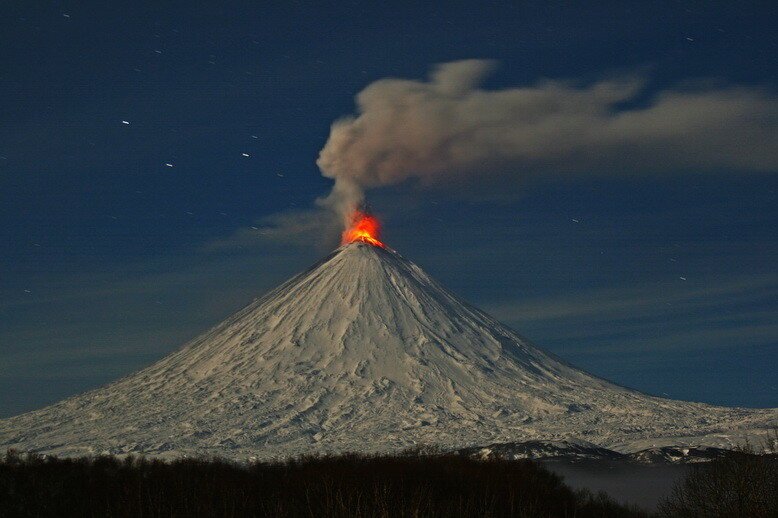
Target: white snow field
364,352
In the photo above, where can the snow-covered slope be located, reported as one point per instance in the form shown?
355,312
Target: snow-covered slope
364,352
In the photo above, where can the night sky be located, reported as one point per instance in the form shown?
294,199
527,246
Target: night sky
147,148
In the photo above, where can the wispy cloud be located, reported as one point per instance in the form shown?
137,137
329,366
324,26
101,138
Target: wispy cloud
654,317
307,227
636,300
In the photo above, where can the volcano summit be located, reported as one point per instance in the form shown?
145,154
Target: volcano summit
364,352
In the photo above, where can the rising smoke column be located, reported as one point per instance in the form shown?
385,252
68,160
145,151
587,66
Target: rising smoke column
448,131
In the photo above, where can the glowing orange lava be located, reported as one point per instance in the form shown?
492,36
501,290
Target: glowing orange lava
364,228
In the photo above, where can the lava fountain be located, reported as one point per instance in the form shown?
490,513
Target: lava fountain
364,227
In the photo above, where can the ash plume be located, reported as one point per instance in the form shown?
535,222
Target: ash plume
449,131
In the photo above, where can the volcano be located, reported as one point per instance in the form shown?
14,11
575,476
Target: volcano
364,352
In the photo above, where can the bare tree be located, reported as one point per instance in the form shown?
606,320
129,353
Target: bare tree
741,484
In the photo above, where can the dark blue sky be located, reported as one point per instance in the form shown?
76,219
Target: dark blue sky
110,259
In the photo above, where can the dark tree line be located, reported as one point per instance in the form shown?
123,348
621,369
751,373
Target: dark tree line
353,486
741,484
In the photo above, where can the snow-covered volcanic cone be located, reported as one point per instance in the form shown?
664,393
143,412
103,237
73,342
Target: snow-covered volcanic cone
363,352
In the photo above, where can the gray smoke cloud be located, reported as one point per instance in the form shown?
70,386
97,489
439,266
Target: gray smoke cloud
448,131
